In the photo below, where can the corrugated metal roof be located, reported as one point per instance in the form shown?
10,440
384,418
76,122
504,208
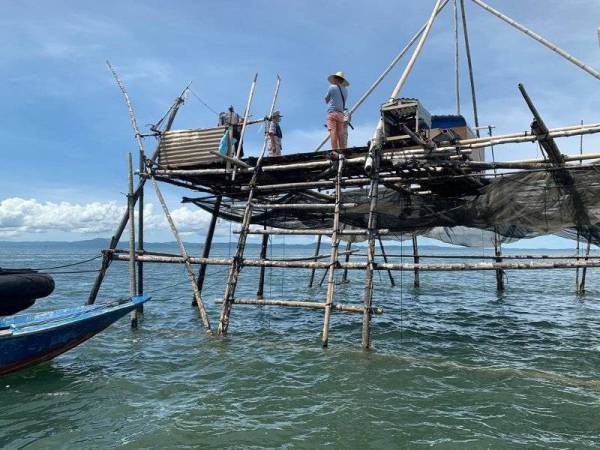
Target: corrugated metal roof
181,148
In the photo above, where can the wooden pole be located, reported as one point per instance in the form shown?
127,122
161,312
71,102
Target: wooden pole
581,288
499,272
497,240
347,258
238,152
413,59
140,264
124,220
186,258
140,198
578,232
237,261
456,56
208,246
373,194
324,275
440,267
593,72
333,261
302,304
261,275
392,282
470,65
417,281
387,70
130,211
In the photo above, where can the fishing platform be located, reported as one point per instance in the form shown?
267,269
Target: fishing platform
419,175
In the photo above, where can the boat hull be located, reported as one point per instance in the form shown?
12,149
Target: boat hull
33,338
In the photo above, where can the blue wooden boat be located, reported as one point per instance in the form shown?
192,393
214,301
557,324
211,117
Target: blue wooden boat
27,339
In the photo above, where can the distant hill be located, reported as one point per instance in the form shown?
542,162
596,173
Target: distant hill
392,248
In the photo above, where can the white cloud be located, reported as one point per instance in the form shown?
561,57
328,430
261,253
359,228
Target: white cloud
21,217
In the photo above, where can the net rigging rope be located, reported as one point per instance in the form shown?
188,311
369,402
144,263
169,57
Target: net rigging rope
69,265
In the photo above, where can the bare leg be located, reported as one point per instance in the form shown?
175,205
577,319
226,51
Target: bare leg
344,136
335,144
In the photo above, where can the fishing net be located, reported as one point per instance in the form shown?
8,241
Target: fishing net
520,205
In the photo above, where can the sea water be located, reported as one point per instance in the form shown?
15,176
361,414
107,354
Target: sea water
453,365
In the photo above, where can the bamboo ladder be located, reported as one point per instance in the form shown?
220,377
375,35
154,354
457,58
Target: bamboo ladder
237,261
335,233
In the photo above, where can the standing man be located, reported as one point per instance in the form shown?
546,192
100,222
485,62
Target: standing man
232,119
274,135
336,97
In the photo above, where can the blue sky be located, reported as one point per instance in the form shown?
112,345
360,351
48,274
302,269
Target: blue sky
65,131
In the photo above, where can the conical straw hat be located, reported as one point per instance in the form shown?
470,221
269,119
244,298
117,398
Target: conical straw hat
340,75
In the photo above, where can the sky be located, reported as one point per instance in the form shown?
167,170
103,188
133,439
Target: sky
65,130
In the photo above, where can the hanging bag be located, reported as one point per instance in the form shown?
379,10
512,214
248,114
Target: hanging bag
346,113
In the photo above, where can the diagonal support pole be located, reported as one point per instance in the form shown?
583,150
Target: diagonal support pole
372,231
384,74
413,59
469,65
333,260
546,43
142,162
237,261
106,259
185,256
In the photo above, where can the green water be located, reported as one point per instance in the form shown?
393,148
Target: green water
453,366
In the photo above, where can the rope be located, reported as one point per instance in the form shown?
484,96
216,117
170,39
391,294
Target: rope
203,102
187,281
73,271
70,265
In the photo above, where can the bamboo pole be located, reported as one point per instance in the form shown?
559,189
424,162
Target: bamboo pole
383,254
411,62
470,66
416,281
185,258
387,70
335,242
246,114
482,257
424,267
539,39
324,275
234,161
261,275
581,288
456,56
302,304
497,241
303,206
499,272
237,262
317,249
347,259
123,223
373,195
207,246
316,232
130,210
140,200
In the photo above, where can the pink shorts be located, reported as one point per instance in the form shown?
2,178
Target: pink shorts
335,121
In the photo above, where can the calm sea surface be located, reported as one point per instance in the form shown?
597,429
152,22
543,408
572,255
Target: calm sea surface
454,365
